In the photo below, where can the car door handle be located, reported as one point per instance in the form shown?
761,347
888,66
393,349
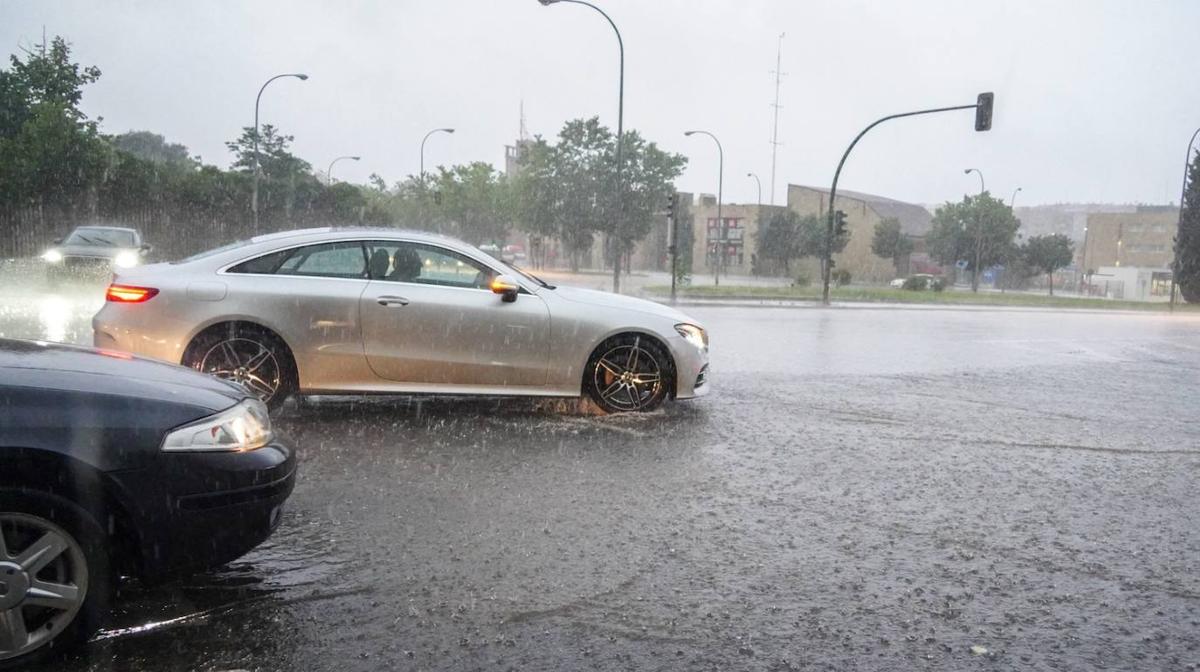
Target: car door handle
390,301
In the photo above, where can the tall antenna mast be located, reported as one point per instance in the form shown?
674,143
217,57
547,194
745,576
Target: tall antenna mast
524,132
775,127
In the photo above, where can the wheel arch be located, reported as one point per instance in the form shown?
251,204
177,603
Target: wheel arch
636,332
38,471
235,321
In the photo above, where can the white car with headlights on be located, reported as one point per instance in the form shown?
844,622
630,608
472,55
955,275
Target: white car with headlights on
96,247
382,311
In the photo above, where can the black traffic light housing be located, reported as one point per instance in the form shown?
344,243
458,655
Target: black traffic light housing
839,224
983,111
672,200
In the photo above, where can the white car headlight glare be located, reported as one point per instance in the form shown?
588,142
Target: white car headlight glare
241,428
126,259
693,334
52,256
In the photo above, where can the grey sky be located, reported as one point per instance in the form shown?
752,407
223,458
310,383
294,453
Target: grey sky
1095,100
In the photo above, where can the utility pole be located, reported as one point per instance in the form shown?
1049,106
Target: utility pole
775,124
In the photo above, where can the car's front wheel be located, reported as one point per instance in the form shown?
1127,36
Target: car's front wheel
54,577
629,373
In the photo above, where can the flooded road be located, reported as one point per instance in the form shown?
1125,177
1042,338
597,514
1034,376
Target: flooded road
870,489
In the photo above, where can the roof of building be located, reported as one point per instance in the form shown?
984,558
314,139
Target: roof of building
914,219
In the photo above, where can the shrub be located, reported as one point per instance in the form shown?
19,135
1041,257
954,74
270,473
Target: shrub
840,277
801,280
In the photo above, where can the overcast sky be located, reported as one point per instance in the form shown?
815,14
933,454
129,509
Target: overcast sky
1096,99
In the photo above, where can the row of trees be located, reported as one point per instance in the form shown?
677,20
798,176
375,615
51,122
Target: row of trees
51,154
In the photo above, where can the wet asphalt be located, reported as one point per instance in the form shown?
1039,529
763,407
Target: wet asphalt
865,489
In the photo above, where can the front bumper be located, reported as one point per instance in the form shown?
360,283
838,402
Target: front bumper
691,369
219,506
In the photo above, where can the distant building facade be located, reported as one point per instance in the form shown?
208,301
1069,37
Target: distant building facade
1129,254
863,212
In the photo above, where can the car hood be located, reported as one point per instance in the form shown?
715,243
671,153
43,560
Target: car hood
68,368
98,251
619,301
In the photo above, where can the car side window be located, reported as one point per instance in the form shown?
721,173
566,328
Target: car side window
266,264
327,260
399,261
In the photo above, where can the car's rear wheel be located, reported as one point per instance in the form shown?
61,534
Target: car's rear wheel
256,359
629,373
54,577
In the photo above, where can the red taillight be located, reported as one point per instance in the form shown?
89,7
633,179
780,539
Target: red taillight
129,293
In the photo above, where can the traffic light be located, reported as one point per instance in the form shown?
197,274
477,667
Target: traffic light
672,199
839,224
983,111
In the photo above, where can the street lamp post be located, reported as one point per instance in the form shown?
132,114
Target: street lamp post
436,130
329,171
1187,160
757,182
983,122
620,134
1012,202
721,232
257,100
978,230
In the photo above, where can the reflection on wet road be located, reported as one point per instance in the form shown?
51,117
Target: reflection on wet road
865,489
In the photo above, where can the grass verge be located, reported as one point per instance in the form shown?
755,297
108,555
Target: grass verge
889,295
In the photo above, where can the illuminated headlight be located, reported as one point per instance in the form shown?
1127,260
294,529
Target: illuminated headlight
693,334
52,256
241,428
126,259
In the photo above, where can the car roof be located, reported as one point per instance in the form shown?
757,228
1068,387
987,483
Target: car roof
106,228
355,231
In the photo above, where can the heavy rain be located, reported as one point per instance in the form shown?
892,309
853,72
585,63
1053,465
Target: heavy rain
523,407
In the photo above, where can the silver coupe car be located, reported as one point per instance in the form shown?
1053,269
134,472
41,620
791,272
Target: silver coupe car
382,311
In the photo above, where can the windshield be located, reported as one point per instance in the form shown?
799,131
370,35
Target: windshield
599,335
101,237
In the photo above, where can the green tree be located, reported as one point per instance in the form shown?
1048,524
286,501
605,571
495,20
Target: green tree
473,199
889,242
1047,254
153,147
1187,243
788,236
568,188
980,227
50,152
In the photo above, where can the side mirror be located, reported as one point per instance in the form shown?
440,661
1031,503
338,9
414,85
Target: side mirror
146,248
58,241
506,287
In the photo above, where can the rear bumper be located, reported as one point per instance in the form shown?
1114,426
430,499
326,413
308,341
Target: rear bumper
221,505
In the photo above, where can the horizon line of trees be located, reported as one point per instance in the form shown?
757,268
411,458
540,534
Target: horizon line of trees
58,169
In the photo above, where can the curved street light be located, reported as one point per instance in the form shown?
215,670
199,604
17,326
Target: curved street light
721,233
978,232
759,183
329,171
620,127
257,100
436,130
1012,202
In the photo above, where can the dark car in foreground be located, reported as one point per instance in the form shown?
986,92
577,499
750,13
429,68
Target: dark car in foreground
113,465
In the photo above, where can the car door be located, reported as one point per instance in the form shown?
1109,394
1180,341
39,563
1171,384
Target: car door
310,295
431,320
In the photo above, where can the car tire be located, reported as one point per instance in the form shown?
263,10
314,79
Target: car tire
78,557
253,357
629,373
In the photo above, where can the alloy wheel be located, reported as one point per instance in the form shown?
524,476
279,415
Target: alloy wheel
628,377
247,362
43,582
